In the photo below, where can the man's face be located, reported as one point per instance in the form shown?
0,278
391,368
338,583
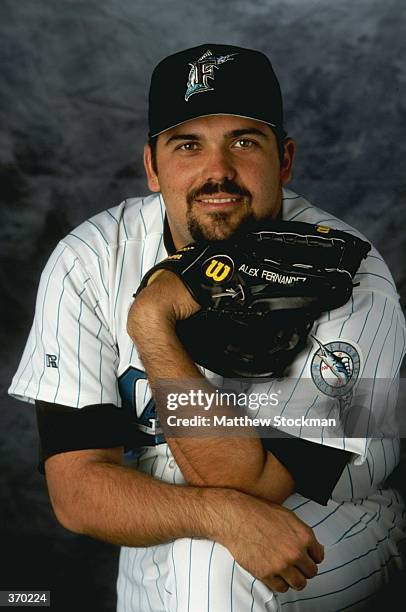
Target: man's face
216,173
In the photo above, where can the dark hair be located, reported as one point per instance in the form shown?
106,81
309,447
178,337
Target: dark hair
281,136
152,143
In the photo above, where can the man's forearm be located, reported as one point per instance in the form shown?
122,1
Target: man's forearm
116,504
234,462
270,481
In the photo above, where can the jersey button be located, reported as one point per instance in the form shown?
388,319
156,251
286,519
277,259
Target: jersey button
172,464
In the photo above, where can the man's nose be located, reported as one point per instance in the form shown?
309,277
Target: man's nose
218,166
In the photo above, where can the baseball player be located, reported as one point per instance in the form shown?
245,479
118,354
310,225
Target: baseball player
289,523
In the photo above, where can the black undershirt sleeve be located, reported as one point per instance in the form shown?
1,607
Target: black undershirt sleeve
63,428
315,468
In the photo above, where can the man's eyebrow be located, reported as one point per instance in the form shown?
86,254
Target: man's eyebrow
176,137
249,131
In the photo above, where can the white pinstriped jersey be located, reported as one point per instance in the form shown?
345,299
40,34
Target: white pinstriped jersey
78,353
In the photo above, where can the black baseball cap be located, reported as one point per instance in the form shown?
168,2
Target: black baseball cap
214,80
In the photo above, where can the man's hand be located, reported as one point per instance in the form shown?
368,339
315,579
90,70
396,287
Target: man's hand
268,540
165,300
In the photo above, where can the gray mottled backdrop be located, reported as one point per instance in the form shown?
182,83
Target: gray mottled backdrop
74,77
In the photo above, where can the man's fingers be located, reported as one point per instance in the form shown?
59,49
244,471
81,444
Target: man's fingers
308,567
316,552
277,584
294,578
291,578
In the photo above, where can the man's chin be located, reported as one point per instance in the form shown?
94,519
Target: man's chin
220,226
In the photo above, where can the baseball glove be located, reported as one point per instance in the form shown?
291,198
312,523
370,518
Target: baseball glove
261,292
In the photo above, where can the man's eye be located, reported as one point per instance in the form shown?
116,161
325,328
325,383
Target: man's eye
244,143
188,146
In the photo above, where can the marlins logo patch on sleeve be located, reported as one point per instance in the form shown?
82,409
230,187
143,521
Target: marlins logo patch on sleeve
335,367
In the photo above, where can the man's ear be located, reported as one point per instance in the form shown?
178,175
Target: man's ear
152,177
289,150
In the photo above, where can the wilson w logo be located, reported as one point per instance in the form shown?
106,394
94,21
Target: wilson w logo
217,270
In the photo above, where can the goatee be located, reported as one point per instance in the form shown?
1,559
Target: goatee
222,226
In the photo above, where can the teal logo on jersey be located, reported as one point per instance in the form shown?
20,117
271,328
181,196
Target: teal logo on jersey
145,416
335,367
202,70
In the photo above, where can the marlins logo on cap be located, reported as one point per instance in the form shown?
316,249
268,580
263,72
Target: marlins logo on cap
202,70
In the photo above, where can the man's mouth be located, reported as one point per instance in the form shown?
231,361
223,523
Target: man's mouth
220,200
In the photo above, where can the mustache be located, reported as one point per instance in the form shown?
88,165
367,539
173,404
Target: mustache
210,188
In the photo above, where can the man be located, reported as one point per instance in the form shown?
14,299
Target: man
301,524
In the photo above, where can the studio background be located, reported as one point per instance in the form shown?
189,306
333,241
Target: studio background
73,103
